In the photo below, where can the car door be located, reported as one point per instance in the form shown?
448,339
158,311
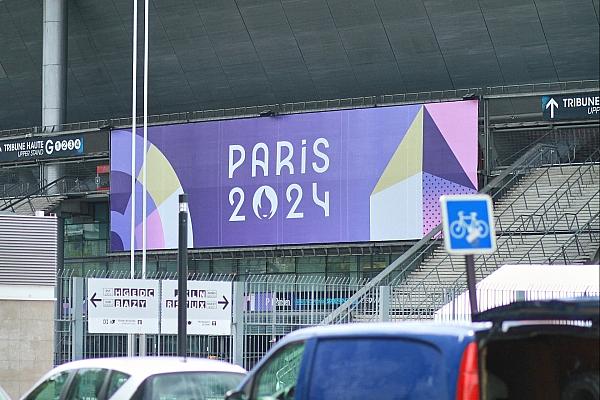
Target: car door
278,376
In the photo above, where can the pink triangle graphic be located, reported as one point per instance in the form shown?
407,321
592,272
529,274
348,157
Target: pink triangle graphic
457,122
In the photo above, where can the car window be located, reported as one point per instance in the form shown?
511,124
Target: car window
117,379
377,368
277,378
51,388
188,386
87,384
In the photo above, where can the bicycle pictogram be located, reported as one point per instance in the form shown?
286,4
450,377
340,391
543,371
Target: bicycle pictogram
469,226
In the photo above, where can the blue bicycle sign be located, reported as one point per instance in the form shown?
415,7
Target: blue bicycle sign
468,224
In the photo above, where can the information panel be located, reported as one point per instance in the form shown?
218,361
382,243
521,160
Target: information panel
208,307
122,306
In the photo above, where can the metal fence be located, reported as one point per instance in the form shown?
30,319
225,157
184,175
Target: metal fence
268,308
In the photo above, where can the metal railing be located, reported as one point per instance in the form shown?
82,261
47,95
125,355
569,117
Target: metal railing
272,306
536,157
429,294
59,187
553,200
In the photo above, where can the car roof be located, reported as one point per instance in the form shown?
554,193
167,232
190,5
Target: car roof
153,365
389,329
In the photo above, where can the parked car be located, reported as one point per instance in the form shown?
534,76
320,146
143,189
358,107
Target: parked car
138,378
526,350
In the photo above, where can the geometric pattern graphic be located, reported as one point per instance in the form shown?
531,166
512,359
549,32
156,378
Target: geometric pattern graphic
163,188
433,188
436,157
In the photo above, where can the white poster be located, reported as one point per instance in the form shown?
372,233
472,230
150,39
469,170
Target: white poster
122,306
208,307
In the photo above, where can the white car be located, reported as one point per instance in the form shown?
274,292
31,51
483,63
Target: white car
139,378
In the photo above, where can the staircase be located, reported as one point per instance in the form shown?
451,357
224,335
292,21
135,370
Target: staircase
34,204
45,198
543,214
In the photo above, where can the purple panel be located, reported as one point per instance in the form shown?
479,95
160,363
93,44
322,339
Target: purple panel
340,154
438,158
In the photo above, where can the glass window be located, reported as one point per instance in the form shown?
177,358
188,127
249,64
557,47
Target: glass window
93,248
279,265
101,212
310,265
87,384
340,264
51,388
252,266
224,266
277,378
188,385
167,265
73,249
117,379
377,368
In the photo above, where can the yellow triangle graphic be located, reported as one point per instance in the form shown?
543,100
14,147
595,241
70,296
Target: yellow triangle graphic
162,178
408,158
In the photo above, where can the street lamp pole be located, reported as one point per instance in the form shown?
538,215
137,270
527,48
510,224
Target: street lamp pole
182,270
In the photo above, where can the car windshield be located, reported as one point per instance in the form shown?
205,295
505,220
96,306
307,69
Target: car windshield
189,386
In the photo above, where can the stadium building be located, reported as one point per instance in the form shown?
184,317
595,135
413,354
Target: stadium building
313,137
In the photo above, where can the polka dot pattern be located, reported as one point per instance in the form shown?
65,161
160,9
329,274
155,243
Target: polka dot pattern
433,188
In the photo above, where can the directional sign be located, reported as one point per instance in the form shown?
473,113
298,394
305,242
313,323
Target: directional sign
468,223
208,307
575,106
122,306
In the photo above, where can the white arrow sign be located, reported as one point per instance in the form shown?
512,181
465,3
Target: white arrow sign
552,104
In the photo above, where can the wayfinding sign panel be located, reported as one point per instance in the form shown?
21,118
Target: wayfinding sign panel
468,223
123,306
208,307
573,106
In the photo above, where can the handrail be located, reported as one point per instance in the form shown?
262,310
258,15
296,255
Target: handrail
460,282
568,183
525,220
496,186
41,191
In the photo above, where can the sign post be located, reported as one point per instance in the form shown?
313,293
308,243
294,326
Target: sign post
468,224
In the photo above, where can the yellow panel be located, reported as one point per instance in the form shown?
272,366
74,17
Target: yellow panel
408,158
162,179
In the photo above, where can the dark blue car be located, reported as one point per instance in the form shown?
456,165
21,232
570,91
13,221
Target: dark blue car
527,350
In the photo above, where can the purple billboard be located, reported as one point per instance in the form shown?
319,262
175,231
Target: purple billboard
340,176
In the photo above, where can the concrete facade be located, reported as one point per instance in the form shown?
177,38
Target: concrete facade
26,343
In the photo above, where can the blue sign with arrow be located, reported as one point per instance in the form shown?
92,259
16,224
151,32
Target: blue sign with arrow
576,106
468,223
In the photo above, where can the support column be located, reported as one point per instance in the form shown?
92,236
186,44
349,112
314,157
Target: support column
237,304
54,64
77,332
54,75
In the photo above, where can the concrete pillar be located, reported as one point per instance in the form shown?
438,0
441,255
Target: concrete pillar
53,172
385,293
54,64
237,304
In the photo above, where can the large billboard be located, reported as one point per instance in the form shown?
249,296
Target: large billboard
340,176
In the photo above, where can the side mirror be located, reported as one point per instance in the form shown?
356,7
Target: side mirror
235,395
